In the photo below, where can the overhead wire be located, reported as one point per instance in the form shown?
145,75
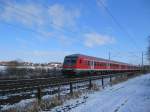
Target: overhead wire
133,57
133,42
117,23
60,28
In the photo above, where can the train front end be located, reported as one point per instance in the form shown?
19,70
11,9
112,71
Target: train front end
70,66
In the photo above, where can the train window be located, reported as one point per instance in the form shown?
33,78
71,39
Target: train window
70,61
102,64
73,61
95,63
67,61
89,63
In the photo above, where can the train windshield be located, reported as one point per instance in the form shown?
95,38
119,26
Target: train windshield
70,61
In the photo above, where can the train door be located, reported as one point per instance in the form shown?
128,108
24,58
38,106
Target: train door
92,64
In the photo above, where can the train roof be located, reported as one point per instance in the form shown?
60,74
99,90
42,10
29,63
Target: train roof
101,59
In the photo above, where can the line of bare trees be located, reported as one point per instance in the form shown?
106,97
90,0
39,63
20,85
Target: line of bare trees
13,70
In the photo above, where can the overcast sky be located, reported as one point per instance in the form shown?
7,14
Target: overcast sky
47,30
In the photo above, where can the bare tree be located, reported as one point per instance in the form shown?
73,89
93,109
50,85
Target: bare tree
12,69
148,50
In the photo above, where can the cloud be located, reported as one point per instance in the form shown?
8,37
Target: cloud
61,16
38,18
95,39
26,14
36,15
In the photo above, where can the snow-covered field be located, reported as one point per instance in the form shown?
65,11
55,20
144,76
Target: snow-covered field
130,96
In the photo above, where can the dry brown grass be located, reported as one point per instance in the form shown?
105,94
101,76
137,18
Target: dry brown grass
59,100
118,80
48,104
95,87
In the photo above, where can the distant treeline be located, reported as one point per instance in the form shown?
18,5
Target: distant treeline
16,72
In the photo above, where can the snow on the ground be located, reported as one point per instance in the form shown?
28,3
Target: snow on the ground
130,96
20,105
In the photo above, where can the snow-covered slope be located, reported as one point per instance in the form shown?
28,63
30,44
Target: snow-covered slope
130,96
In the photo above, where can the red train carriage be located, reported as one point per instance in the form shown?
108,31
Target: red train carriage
79,65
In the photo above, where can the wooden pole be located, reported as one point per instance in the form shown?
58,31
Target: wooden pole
39,94
110,79
71,88
58,92
90,83
102,81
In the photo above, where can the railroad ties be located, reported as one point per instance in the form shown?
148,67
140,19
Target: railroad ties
12,91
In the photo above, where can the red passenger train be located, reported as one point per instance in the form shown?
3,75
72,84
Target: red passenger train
82,65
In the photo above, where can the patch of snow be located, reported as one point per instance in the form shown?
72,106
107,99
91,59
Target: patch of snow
130,96
22,104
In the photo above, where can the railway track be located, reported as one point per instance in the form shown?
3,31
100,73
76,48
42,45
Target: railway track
12,91
15,84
